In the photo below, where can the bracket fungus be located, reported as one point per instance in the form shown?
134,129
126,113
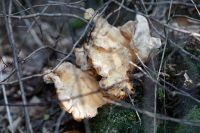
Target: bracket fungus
77,91
143,42
108,54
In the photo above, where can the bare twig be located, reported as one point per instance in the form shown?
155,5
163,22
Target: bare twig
158,116
116,10
27,22
179,92
84,33
7,107
158,75
167,26
163,24
132,102
17,66
48,5
24,61
151,74
48,15
122,104
62,114
196,7
193,20
178,3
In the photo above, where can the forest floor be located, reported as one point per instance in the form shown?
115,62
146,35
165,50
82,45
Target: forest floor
35,35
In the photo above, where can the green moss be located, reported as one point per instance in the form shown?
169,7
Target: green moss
46,117
115,119
161,94
98,1
184,63
76,23
192,67
193,114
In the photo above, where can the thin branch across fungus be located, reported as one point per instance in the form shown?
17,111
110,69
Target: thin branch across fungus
84,33
167,26
163,24
178,92
25,60
32,76
31,18
118,103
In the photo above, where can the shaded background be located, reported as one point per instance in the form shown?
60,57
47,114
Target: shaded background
45,31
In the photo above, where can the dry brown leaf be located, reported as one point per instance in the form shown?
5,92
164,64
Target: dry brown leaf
78,88
185,24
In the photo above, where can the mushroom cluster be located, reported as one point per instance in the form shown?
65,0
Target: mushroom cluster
107,55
